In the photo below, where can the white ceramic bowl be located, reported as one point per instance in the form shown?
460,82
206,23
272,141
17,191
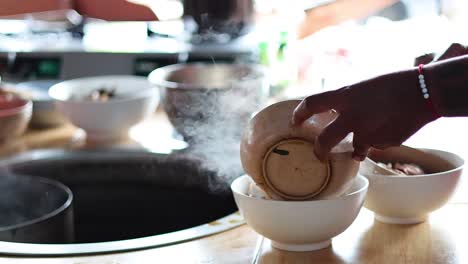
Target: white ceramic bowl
109,120
409,199
300,225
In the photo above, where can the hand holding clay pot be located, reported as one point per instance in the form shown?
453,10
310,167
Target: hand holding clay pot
280,158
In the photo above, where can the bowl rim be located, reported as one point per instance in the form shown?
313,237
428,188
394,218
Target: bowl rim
339,198
58,185
27,104
157,76
139,94
427,174
40,87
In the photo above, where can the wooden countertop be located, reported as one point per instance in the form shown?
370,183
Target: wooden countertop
442,239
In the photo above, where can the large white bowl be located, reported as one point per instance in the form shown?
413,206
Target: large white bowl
299,225
409,199
106,120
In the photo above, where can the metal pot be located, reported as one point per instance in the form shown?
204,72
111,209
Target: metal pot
130,199
35,209
208,101
231,17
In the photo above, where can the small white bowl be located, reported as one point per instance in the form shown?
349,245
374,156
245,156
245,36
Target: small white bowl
299,225
409,199
104,121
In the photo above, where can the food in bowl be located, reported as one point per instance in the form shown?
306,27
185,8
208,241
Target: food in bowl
102,95
402,199
255,191
111,120
403,168
299,225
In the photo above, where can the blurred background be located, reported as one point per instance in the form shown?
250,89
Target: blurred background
117,79
308,45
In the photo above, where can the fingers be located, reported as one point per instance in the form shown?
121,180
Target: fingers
382,146
454,50
361,149
424,59
330,137
315,104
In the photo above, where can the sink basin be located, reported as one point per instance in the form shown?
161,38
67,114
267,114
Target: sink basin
129,200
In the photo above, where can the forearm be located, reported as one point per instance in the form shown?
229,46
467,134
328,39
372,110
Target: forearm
15,7
358,9
343,10
338,12
448,84
114,10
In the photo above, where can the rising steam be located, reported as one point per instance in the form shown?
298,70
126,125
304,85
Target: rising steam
215,137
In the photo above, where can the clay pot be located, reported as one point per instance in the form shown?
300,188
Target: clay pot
281,160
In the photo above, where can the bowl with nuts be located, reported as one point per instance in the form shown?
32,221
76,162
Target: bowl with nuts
105,107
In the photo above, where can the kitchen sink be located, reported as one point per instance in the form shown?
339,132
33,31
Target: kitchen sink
126,200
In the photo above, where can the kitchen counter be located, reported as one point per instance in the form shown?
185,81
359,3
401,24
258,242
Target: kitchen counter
442,239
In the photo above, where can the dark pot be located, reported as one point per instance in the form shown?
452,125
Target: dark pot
35,209
232,17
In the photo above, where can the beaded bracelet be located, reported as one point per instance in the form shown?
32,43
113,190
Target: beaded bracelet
425,92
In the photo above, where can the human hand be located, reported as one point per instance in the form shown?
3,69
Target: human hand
454,50
381,112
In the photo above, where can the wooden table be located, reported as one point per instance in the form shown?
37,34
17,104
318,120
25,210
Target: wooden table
442,239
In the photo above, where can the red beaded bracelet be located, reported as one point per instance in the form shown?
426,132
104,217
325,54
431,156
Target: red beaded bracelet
425,92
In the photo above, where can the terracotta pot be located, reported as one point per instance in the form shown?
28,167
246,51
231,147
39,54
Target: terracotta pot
281,160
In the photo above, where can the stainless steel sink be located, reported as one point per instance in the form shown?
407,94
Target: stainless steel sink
125,200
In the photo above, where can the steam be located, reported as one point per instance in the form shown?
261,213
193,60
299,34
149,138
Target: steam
23,199
215,134
218,116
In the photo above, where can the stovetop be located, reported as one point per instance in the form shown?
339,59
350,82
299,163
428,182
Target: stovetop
109,48
128,37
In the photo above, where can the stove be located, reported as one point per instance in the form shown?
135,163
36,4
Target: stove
104,48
